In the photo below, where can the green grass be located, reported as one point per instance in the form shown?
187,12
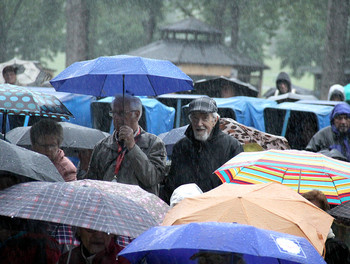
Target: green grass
269,76
58,64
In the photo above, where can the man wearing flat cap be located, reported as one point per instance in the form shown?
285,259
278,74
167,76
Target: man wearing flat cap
203,149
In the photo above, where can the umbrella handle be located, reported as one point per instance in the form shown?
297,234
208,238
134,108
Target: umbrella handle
4,121
123,99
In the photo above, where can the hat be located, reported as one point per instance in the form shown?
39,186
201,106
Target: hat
184,191
203,104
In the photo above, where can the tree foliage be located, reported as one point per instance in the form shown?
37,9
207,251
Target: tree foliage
302,34
31,29
117,27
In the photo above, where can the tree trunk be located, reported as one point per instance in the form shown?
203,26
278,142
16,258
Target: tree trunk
335,45
220,14
150,25
235,24
77,31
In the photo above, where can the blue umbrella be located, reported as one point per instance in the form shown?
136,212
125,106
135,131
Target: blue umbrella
179,243
122,74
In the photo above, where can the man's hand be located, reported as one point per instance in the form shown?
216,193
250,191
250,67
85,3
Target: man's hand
126,134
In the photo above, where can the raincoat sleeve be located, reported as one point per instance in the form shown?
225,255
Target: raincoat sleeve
148,164
93,169
323,139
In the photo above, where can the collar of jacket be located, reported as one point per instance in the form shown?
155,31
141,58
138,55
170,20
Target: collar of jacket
216,129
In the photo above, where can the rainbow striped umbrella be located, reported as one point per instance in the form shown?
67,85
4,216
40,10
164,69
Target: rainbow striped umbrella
302,171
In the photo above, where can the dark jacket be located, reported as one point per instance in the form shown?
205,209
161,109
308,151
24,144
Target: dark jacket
195,161
143,165
330,138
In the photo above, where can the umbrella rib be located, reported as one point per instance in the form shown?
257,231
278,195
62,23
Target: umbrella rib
155,93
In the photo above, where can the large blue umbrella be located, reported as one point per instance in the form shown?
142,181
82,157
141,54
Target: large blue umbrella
122,74
230,241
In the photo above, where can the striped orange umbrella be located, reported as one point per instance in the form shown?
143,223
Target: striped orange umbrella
302,171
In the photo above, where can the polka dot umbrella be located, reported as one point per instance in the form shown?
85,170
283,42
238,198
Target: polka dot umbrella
18,100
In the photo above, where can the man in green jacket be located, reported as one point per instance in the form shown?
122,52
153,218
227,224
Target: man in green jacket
130,155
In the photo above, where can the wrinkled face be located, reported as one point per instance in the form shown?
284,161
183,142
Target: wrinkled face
283,87
202,124
94,241
10,77
47,145
342,123
128,117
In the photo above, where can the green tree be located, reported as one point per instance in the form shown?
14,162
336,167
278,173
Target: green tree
300,41
116,27
247,25
31,29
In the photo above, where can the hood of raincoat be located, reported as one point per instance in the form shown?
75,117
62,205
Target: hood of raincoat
336,89
283,76
339,109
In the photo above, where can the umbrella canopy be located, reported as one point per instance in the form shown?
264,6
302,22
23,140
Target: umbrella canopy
75,137
171,137
341,212
27,163
292,97
17,100
146,200
177,244
28,72
271,206
303,171
81,206
246,134
213,87
108,76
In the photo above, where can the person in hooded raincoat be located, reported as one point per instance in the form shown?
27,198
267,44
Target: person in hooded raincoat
337,135
283,84
336,93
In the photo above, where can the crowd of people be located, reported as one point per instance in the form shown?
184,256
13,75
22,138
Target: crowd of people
131,155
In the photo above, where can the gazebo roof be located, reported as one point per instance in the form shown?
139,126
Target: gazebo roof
191,25
202,53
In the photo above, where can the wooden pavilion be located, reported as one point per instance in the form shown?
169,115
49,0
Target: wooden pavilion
198,50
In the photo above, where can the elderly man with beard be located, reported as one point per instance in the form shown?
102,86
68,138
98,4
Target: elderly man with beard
204,149
336,136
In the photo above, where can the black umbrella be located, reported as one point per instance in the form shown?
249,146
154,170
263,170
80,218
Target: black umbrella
26,163
341,212
213,87
75,137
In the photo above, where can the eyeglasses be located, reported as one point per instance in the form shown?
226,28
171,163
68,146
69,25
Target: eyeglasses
120,113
